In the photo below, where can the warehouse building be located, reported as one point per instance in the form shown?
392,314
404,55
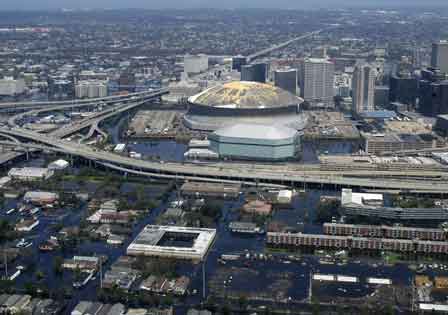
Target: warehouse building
217,190
40,197
255,142
30,173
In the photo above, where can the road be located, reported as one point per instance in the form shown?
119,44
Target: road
70,103
12,121
266,51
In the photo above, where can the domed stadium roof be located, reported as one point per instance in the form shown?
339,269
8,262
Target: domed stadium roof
243,94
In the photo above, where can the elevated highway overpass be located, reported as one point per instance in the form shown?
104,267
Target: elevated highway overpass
15,106
427,182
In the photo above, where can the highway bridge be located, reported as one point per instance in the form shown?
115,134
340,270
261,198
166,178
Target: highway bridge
141,97
267,51
15,106
428,182
135,100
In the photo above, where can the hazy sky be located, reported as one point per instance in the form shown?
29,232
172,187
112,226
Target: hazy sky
157,4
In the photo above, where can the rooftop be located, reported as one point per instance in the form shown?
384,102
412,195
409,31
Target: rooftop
243,94
148,242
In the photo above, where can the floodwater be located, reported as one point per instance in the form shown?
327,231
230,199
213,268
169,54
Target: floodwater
302,210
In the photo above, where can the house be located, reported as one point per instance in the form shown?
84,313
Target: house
81,308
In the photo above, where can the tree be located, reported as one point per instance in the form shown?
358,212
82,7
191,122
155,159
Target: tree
40,275
315,307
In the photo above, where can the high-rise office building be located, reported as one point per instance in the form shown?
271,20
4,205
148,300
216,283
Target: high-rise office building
286,79
195,64
318,81
10,86
439,56
381,96
433,93
403,89
91,89
238,62
363,89
256,72
319,52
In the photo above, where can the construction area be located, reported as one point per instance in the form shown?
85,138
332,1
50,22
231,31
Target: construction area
329,125
156,124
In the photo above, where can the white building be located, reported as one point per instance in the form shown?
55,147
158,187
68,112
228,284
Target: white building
363,87
361,199
58,165
195,63
11,87
91,89
318,82
30,173
150,242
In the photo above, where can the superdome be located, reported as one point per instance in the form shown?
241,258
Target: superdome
243,102
245,95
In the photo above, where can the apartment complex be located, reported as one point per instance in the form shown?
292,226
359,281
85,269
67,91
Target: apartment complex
384,231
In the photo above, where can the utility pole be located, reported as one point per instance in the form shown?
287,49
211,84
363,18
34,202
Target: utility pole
6,263
203,279
101,273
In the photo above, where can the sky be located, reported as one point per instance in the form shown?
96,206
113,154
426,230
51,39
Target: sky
228,4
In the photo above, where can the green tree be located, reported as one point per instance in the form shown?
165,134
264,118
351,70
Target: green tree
40,275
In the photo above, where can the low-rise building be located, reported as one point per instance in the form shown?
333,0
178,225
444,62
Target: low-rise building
86,263
40,197
173,242
121,277
114,239
30,173
199,189
258,207
380,143
25,304
26,225
284,196
244,227
163,285
58,165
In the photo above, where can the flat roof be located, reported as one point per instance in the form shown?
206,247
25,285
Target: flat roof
435,307
146,243
350,279
348,196
379,281
321,277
